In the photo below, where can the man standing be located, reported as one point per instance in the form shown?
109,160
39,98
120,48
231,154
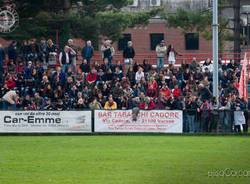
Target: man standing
128,55
88,52
74,57
161,51
108,51
65,57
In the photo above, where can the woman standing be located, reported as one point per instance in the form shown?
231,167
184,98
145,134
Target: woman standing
171,54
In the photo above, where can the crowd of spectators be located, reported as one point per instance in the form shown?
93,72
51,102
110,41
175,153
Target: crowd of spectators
26,84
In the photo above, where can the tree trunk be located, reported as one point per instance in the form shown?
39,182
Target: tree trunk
236,7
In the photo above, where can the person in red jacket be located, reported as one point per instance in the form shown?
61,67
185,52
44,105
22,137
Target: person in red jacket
151,92
165,90
147,105
176,91
92,76
10,82
153,82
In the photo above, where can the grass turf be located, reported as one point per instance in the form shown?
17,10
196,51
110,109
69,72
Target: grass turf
121,159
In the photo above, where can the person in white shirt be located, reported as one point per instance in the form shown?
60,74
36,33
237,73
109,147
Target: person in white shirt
139,74
65,57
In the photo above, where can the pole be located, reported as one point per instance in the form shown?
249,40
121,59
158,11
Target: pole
215,49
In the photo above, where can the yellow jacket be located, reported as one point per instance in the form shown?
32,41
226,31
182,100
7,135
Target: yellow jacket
108,107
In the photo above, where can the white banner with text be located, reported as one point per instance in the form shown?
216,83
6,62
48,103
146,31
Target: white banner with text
45,121
147,121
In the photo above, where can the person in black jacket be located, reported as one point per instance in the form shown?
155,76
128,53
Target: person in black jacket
204,93
128,55
191,108
12,51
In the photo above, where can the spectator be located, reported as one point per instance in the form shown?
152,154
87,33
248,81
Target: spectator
92,77
119,65
194,65
95,105
165,90
38,100
11,67
118,74
171,53
131,76
208,64
110,104
161,51
85,67
128,55
43,50
214,115
101,78
205,114
88,52
10,82
146,66
12,51
191,108
28,70
232,65
204,93
47,105
33,51
151,92
148,104
51,50
239,118
24,51
139,74
161,102
108,51
176,91
74,56
10,99
66,57
225,115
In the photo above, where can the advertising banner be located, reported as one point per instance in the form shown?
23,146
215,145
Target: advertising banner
147,121
45,121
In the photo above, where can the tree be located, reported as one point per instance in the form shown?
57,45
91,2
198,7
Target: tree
86,19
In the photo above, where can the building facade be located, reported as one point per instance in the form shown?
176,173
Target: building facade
145,38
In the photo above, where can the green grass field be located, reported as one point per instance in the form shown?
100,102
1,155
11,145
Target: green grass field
137,159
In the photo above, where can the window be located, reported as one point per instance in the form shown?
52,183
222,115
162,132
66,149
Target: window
192,41
123,42
155,39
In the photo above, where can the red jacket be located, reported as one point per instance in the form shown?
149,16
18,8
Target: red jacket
11,84
155,85
176,92
166,92
91,77
150,106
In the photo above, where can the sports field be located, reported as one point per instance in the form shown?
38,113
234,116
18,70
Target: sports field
116,159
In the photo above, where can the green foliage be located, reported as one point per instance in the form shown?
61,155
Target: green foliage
198,21
89,20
